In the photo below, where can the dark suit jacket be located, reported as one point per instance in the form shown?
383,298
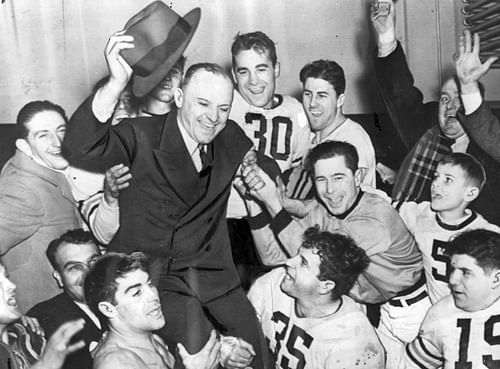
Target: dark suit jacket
162,213
484,127
412,117
53,313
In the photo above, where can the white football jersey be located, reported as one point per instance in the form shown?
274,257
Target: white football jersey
344,339
281,133
451,338
432,236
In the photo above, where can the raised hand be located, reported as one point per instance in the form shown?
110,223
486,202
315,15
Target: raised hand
119,70
59,345
206,358
468,65
384,23
116,179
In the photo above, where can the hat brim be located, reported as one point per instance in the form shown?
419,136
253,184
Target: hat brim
143,85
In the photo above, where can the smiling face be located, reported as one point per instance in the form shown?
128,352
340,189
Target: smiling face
471,287
9,311
449,105
301,278
73,261
321,103
204,105
137,305
46,132
336,185
255,77
450,190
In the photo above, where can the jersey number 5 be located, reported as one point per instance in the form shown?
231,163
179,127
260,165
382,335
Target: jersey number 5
488,361
438,248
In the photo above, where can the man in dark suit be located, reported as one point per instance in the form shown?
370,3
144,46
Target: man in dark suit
174,210
70,256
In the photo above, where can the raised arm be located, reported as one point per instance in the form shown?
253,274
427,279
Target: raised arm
90,142
403,100
479,122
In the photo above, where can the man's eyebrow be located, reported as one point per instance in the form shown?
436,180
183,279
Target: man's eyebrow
137,285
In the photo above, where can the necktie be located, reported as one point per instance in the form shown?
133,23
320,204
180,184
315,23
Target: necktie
206,162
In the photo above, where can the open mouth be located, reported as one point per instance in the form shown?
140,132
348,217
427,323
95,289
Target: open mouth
11,301
435,195
156,312
256,91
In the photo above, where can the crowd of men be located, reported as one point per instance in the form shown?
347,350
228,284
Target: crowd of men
121,227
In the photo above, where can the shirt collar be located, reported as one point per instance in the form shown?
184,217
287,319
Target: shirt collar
191,145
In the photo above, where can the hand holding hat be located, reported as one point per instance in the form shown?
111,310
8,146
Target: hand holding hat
119,70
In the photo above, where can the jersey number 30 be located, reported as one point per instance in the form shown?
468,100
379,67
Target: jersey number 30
296,333
278,123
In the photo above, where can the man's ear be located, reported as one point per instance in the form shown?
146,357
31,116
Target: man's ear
58,278
277,69
326,287
178,97
340,101
23,145
107,309
471,193
358,175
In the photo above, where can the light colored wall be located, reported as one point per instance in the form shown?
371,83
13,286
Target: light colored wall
53,49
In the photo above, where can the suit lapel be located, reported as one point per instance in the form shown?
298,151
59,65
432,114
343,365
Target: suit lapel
174,161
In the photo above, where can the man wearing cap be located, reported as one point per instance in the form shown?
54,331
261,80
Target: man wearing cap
182,165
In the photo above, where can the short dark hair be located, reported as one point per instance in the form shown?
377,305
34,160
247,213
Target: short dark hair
473,169
342,261
101,281
207,67
75,236
330,149
31,109
328,70
481,244
257,41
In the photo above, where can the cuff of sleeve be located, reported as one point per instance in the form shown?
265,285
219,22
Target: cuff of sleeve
110,207
259,221
280,221
385,49
472,102
101,108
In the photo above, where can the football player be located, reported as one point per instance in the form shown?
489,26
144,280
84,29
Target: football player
462,330
305,313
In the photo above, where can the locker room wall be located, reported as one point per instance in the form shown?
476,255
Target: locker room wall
53,49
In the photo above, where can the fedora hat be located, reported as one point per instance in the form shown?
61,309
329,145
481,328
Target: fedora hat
160,38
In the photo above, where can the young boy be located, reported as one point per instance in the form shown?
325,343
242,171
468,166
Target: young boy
457,182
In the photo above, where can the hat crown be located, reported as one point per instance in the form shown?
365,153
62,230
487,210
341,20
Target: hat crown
151,28
160,38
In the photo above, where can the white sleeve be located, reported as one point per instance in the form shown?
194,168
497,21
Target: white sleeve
472,102
103,220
